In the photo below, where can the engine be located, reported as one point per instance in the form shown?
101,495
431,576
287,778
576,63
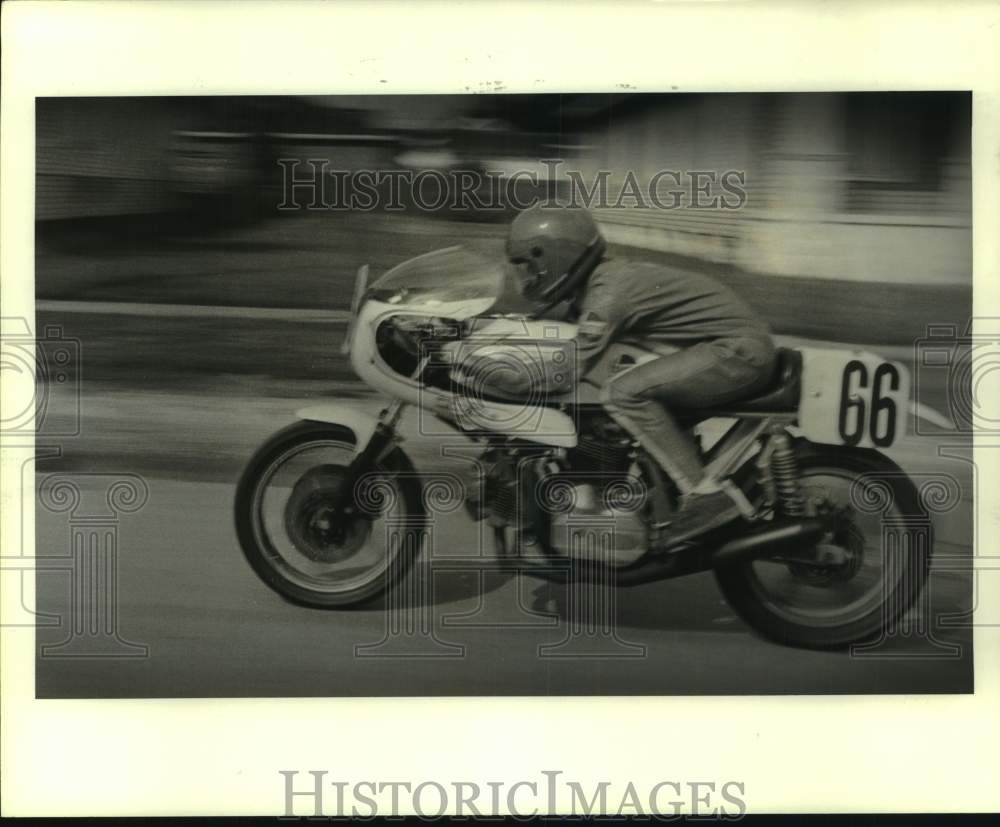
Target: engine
603,449
587,501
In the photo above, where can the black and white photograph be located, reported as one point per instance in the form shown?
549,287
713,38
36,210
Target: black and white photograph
551,394
483,410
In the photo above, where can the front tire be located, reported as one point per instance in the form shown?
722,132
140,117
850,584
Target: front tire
816,619
301,553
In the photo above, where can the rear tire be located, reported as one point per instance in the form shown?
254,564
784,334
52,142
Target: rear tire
743,590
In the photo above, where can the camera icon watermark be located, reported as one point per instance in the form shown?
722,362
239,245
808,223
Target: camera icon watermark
509,376
955,375
35,368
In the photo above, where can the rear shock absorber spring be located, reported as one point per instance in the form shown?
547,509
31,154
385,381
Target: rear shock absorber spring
785,471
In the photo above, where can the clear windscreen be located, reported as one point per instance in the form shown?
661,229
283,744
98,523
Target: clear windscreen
454,274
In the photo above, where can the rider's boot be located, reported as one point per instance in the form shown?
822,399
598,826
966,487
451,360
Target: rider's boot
707,507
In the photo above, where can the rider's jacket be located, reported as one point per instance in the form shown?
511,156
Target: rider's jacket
623,298
657,303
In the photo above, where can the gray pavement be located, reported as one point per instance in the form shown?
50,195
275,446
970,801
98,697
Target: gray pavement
213,629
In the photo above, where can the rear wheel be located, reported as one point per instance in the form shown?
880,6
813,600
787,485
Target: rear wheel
872,582
295,542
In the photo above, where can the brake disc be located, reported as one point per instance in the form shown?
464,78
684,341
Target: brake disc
313,528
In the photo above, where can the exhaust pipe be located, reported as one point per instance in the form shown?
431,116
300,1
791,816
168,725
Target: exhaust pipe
773,537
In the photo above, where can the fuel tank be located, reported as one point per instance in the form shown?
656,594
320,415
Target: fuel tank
536,359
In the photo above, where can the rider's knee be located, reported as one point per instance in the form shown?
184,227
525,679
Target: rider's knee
759,353
618,394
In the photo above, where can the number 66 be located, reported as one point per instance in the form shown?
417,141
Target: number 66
857,400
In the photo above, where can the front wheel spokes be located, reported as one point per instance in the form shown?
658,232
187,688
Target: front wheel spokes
309,541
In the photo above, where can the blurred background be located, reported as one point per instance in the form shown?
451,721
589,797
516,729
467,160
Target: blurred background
862,187
159,217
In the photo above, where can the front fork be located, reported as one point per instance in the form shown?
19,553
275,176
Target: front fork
382,439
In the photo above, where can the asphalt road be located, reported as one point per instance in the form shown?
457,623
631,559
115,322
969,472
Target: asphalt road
182,401
213,629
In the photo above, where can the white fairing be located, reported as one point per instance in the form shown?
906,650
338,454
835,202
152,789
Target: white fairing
849,397
544,425
529,329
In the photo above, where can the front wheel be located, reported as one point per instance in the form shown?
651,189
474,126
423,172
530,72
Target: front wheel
294,540
882,553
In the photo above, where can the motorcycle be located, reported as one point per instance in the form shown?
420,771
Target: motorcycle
330,511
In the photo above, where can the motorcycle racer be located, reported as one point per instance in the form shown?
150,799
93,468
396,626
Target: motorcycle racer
332,511
725,349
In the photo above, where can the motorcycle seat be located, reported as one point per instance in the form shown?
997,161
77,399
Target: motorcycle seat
782,395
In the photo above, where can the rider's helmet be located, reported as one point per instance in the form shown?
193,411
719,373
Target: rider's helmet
554,248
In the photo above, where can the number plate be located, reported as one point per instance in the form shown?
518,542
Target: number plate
853,398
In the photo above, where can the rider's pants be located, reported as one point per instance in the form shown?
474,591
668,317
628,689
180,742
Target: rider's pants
701,376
